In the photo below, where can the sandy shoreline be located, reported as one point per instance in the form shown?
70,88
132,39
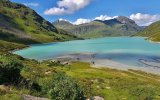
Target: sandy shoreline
151,67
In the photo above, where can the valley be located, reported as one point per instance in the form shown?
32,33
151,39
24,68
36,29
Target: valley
109,59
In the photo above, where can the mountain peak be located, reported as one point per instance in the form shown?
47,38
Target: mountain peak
64,21
61,23
125,20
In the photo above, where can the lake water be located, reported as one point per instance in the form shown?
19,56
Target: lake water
127,50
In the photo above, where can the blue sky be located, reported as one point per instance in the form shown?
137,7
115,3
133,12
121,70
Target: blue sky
144,12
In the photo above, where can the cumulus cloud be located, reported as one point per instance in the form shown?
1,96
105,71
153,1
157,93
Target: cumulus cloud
31,4
140,19
104,17
81,21
61,19
67,7
144,19
101,17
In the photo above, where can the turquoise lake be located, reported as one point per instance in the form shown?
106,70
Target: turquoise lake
126,50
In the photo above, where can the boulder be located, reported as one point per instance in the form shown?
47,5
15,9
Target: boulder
96,98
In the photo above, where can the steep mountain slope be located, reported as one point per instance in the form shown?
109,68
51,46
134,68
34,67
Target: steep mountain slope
120,26
19,23
152,32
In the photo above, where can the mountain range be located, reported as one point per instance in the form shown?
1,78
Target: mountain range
120,26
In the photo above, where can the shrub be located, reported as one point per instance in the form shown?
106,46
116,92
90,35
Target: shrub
63,87
9,70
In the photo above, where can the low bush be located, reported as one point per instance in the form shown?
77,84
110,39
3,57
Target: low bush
63,87
9,70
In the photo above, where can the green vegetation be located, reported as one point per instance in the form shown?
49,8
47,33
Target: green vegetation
63,87
40,79
45,79
21,24
9,70
114,84
152,32
9,46
20,76
17,75
143,93
120,26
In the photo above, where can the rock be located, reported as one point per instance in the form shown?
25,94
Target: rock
48,72
96,98
108,87
98,87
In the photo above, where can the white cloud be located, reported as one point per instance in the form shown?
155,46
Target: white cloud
31,4
67,7
61,19
81,21
144,19
104,17
140,19
101,17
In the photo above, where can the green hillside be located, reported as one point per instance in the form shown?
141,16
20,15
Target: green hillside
152,32
120,26
19,23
